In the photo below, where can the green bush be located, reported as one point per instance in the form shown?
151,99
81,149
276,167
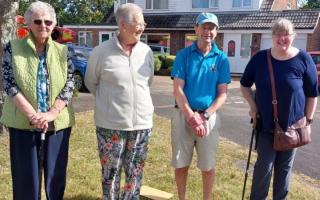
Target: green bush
157,64
168,62
163,64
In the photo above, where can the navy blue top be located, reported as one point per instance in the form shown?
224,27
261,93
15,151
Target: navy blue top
295,79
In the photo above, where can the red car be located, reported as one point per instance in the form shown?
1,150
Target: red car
316,58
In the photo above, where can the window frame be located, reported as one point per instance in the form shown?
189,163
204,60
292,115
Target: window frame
246,48
152,5
110,33
209,4
126,1
241,4
84,36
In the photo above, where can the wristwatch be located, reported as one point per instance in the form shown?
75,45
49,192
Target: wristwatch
206,115
309,121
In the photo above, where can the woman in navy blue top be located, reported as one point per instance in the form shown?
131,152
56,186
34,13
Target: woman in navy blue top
296,88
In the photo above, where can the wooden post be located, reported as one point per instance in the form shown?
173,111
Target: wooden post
154,194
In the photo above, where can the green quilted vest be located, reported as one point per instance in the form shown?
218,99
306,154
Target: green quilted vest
25,66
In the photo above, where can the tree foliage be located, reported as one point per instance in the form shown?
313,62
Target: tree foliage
75,11
311,4
7,32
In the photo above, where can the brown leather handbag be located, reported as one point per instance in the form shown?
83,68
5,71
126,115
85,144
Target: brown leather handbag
298,134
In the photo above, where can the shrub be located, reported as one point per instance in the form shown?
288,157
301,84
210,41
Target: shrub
168,61
157,64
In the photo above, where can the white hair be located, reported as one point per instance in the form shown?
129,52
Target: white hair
127,11
39,6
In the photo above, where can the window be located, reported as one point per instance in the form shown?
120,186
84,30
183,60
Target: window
316,58
159,43
231,48
143,38
85,38
157,4
245,45
104,36
126,1
204,3
241,3
189,39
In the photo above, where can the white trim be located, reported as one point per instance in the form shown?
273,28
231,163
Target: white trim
92,27
162,33
262,31
186,29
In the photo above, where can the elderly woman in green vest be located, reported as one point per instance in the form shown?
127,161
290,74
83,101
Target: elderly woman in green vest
38,80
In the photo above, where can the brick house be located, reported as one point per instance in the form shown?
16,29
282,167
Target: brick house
244,25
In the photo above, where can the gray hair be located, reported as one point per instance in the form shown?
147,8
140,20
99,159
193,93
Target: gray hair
282,25
127,11
39,6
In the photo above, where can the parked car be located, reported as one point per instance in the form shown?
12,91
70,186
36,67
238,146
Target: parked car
316,58
159,49
80,56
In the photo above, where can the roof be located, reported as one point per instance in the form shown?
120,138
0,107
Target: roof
302,19
266,5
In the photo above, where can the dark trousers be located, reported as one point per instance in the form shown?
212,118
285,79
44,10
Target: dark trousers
24,156
270,160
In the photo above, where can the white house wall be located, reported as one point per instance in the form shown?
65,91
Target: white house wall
186,6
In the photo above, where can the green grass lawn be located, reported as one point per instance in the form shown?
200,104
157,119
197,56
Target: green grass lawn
84,169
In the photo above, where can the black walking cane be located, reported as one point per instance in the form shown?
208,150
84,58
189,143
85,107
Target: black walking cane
254,122
41,159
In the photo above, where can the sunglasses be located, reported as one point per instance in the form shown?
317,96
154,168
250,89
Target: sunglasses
39,22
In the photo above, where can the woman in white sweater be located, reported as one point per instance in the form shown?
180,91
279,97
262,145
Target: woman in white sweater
119,75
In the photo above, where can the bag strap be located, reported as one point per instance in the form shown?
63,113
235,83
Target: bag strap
273,87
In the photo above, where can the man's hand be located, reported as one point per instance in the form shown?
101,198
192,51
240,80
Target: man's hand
200,130
195,121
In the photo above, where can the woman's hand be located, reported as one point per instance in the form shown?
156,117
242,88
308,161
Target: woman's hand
39,122
253,112
49,116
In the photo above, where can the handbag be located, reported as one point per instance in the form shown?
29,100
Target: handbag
298,134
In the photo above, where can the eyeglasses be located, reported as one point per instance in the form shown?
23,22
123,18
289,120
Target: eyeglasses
39,22
286,35
139,25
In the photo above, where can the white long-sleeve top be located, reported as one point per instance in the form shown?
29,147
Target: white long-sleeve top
121,86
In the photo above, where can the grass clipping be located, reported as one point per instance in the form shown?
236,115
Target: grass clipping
83,181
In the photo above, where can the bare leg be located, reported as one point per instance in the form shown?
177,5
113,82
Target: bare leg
207,181
181,175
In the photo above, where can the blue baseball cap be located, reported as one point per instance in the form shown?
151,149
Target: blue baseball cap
207,17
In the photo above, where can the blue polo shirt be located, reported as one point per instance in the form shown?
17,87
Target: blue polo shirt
201,74
295,80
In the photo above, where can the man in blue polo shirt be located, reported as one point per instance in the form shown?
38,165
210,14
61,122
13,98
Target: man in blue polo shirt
201,75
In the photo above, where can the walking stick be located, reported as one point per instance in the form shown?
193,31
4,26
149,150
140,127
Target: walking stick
41,158
249,156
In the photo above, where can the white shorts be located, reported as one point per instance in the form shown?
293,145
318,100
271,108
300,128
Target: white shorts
183,142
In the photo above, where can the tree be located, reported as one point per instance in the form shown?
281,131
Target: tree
7,32
76,11
311,4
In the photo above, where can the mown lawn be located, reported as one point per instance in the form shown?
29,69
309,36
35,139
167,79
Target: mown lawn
84,168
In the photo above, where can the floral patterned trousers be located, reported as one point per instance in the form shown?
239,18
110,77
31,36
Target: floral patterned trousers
122,149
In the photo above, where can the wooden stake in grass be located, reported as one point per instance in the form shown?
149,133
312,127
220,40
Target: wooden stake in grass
154,194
